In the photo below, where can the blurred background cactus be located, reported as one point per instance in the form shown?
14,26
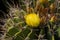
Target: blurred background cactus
30,20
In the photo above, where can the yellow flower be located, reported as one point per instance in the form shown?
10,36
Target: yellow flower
32,19
52,6
53,19
43,1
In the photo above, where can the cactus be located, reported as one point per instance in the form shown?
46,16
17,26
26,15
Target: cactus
37,14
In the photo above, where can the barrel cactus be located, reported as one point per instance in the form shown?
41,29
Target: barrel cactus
25,22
